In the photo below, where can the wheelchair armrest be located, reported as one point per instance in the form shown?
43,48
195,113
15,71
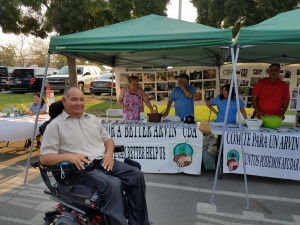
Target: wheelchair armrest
36,164
66,166
119,148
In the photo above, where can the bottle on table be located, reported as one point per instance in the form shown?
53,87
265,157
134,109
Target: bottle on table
8,113
15,111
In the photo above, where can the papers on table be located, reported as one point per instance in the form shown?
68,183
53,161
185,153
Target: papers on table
141,123
217,128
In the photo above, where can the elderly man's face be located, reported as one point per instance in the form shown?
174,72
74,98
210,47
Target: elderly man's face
74,103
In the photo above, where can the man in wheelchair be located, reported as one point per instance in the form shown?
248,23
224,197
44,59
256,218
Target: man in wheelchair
77,137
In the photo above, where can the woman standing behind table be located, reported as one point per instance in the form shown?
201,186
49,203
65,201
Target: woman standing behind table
131,99
221,103
32,110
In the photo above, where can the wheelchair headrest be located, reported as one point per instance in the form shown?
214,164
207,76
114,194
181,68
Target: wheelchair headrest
55,109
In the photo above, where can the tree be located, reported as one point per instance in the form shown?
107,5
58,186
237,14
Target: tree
37,52
7,55
21,51
58,61
71,16
92,14
236,14
23,17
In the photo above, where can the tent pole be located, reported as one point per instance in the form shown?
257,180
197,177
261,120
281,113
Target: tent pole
179,9
37,116
219,74
112,87
240,126
212,201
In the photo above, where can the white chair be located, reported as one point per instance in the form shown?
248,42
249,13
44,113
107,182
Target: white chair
114,113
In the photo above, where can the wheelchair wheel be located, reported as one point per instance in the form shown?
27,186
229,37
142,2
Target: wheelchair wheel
67,219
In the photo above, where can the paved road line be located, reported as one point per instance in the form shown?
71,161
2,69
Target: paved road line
218,221
228,193
8,184
37,219
14,168
19,221
205,208
27,203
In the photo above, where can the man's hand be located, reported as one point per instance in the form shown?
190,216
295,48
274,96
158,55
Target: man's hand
79,160
282,115
181,84
259,113
108,162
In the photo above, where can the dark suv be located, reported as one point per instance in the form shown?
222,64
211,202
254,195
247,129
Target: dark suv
5,73
28,79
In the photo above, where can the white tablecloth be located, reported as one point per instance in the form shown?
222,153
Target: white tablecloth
268,152
19,128
217,128
156,145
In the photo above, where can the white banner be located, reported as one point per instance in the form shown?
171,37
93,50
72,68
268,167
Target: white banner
160,148
266,154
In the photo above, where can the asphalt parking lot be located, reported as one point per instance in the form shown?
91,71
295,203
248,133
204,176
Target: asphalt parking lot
176,199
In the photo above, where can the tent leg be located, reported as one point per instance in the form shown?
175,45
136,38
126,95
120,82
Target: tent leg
240,127
112,88
212,201
37,117
233,83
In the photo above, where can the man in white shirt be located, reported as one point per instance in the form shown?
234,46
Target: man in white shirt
75,136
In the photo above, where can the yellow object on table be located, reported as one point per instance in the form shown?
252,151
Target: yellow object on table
24,108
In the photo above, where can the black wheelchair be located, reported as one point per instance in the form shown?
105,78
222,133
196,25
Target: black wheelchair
77,204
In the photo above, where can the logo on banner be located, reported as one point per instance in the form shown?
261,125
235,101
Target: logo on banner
233,158
183,154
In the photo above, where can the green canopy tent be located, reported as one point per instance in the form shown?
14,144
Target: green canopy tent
150,41
274,40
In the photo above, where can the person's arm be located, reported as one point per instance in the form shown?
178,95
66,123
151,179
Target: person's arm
147,102
120,98
243,111
187,92
43,109
108,160
211,107
286,101
27,111
168,109
284,107
256,107
53,158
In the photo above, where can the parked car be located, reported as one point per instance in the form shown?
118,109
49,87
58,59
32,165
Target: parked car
103,84
5,73
28,79
85,75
